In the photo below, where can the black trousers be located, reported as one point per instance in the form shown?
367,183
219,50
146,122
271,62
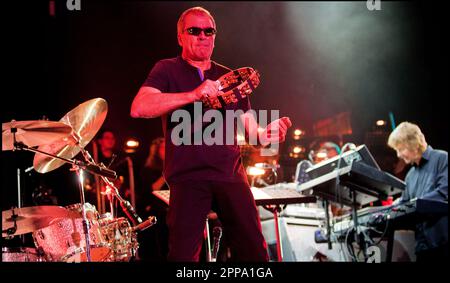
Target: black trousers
190,202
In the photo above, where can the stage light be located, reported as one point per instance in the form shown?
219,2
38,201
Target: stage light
380,123
296,151
322,155
255,171
131,145
298,133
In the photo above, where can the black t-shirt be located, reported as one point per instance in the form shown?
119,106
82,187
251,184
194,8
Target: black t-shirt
196,162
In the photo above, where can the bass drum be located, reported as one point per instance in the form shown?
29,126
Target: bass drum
65,240
22,254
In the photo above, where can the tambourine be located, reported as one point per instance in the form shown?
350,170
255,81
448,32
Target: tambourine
235,85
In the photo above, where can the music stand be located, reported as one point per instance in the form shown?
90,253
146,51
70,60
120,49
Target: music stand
272,198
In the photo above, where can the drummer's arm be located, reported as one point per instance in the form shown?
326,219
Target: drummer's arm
151,102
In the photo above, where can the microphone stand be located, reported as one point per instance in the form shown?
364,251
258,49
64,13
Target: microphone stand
91,168
112,192
86,227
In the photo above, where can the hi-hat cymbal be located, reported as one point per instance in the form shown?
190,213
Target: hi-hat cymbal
85,119
29,219
33,133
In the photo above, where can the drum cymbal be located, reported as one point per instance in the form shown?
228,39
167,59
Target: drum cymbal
29,219
33,133
85,119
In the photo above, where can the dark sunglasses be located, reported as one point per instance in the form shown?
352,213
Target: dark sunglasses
196,31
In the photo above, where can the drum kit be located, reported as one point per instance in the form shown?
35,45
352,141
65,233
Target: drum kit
75,233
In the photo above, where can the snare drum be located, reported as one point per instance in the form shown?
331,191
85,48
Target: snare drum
65,240
120,236
21,254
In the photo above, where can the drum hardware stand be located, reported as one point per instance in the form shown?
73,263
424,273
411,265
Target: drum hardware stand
127,208
19,190
86,227
112,205
77,166
112,208
100,197
112,192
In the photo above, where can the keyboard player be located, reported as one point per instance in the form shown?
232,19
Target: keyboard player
427,179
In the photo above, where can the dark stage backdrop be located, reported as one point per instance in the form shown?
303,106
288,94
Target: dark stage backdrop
316,59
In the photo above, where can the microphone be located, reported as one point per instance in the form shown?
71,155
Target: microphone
217,234
101,171
144,225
